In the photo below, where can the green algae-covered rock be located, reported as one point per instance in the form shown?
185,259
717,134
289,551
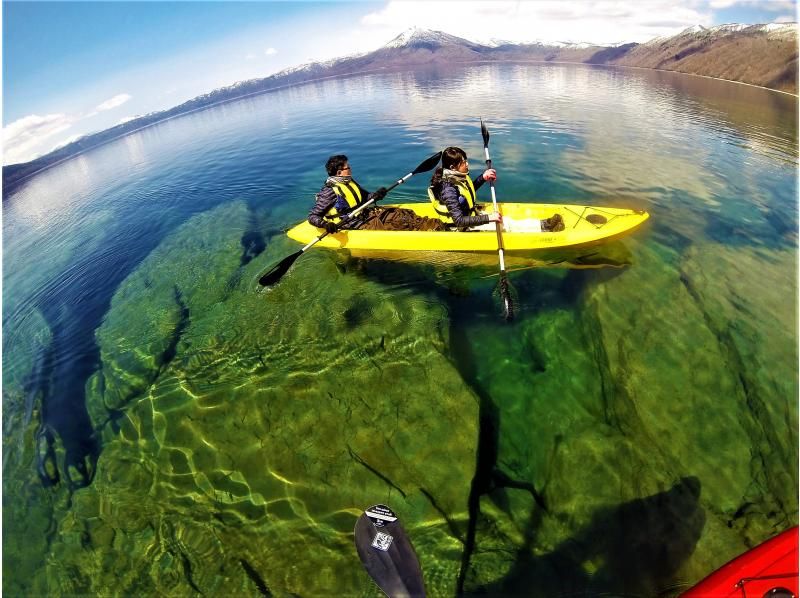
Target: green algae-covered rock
248,428
686,393
562,433
618,432
150,310
24,341
692,404
747,304
30,510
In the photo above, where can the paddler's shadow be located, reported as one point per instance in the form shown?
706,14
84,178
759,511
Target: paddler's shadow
635,549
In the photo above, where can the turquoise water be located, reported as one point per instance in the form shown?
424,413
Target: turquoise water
169,427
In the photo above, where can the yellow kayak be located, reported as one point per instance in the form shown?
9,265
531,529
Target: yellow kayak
583,226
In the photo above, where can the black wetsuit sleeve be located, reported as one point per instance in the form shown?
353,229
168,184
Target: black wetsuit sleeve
325,200
460,219
478,181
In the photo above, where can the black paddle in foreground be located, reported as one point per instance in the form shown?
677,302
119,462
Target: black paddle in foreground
387,553
282,267
504,285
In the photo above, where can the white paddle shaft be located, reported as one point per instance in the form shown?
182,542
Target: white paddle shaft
497,224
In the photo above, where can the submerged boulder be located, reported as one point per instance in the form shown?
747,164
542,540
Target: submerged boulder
617,429
245,429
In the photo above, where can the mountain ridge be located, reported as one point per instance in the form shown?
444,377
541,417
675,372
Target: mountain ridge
764,55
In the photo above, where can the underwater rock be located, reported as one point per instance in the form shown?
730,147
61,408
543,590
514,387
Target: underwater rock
684,391
704,402
277,416
601,412
743,298
149,312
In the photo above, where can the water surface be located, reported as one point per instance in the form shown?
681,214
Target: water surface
171,428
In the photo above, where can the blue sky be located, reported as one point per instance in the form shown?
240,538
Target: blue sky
73,68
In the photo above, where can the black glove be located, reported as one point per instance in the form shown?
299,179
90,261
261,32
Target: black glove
379,194
331,227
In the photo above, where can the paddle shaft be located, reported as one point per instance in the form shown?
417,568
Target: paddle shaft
352,214
498,225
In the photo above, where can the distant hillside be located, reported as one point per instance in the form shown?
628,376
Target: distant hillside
763,55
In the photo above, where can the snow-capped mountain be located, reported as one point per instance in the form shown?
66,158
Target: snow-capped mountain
763,55
416,37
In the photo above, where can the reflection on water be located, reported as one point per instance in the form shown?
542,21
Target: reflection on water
170,427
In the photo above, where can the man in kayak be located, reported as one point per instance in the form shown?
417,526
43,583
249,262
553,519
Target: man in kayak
341,195
453,195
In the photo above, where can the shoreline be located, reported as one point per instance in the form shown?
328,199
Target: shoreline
365,72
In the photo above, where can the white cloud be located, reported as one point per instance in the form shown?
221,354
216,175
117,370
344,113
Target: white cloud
116,101
770,5
122,121
785,19
23,138
270,51
601,22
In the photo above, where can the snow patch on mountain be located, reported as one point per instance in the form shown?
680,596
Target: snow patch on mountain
417,35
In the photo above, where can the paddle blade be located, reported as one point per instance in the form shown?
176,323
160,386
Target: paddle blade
277,272
505,297
485,133
428,164
387,553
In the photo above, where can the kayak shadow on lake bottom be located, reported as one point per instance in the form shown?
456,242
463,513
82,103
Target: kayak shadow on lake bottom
637,548
460,274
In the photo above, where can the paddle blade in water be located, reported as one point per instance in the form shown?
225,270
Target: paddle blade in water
387,553
485,133
279,270
505,297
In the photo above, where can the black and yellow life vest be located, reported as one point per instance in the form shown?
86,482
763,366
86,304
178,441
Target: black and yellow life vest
466,189
349,192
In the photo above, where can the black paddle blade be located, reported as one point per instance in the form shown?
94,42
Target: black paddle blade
428,164
485,133
505,297
277,272
387,553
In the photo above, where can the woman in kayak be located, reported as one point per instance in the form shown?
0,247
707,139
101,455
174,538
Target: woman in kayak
341,195
453,193
453,196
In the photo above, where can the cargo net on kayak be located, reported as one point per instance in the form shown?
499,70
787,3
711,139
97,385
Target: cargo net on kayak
525,225
597,217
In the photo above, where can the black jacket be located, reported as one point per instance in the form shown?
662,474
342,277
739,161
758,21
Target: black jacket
458,207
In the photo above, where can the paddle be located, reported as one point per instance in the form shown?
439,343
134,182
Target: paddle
282,267
387,553
504,285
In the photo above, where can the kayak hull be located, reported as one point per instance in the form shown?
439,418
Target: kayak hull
761,571
606,224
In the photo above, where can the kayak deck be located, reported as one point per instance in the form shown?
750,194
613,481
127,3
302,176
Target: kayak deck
769,569
583,225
